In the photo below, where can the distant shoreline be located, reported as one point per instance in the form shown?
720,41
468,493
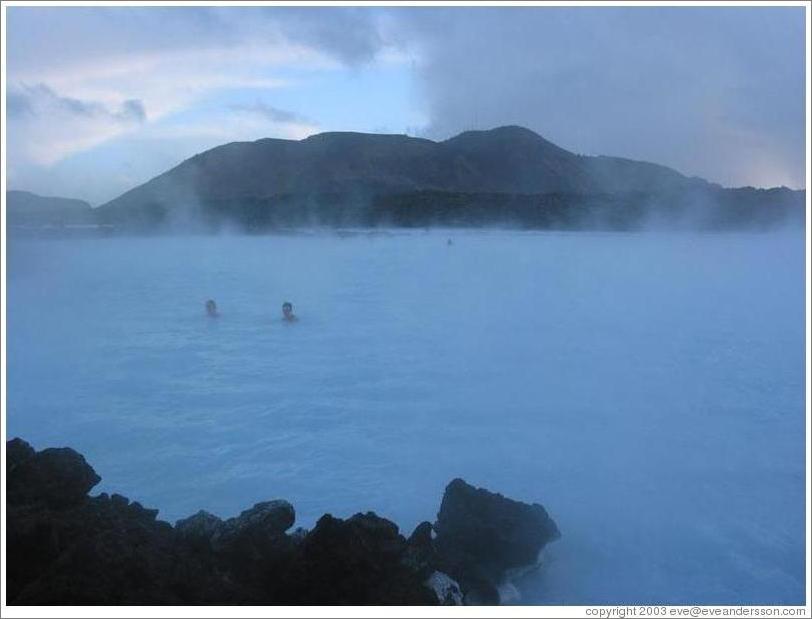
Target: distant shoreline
719,211
507,176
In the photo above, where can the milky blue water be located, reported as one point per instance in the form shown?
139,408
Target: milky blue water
648,389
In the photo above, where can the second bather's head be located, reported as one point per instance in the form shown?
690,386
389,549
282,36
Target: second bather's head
211,307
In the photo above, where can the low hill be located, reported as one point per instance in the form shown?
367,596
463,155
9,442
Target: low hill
24,208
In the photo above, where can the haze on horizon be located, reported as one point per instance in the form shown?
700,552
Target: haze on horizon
121,94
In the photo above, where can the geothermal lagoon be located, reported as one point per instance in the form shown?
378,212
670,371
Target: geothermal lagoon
646,388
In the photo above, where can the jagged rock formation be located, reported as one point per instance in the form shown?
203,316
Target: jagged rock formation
482,535
65,547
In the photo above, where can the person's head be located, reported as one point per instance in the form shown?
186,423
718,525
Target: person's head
211,307
287,309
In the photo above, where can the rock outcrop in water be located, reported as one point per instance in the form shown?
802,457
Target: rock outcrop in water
482,536
65,547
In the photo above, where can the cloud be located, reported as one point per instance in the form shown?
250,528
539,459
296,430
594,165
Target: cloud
39,100
269,112
240,127
350,34
133,109
714,92
18,104
169,82
121,69
44,125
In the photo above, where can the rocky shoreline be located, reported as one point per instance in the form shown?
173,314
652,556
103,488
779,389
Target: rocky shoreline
66,547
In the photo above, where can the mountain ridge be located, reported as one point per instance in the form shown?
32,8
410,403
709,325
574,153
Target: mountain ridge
351,178
508,159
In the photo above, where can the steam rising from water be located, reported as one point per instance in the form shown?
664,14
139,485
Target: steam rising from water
647,389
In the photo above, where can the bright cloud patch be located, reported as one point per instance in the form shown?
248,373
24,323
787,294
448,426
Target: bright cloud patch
45,126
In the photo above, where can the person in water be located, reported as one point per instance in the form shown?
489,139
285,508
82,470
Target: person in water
287,312
211,308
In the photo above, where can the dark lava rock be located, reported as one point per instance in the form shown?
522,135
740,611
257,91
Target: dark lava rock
67,548
254,550
64,547
17,451
298,534
98,552
354,561
197,530
420,554
58,477
263,521
481,535
446,589
119,500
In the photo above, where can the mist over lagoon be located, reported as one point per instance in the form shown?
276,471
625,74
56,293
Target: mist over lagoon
647,387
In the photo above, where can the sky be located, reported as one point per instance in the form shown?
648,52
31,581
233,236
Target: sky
101,99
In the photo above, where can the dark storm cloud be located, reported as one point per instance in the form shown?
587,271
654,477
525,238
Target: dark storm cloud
716,92
348,33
